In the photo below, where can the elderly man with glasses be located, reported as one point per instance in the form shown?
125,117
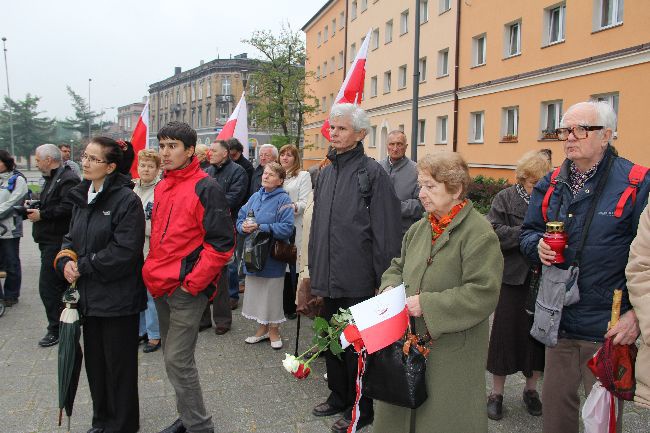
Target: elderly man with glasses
592,173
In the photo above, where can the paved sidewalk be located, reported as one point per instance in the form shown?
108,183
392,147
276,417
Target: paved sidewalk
245,387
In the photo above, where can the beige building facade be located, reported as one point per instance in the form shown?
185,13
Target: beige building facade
520,65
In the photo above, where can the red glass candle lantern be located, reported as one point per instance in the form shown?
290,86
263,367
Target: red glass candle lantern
556,239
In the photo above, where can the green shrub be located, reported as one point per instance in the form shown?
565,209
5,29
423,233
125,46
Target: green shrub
483,189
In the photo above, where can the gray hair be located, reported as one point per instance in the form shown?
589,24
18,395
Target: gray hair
272,147
358,117
605,114
48,149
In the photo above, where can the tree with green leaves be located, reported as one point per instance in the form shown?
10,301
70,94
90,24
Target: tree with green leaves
278,98
82,116
30,129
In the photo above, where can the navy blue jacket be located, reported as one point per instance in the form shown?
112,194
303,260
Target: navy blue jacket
606,249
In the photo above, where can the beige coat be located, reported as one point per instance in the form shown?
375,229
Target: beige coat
460,279
638,286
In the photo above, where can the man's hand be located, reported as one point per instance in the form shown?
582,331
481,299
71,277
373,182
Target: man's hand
184,289
71,272
34,215
546,254
626,331
413,305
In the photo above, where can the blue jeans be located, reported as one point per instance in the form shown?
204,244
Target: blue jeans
149,320
233,280
10,256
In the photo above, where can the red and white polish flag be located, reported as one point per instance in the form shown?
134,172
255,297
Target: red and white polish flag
380,320
140,138
237,125
352,89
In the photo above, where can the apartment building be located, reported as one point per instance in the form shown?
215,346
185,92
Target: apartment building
520,65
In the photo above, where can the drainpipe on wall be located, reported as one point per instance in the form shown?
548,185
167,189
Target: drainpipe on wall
456,81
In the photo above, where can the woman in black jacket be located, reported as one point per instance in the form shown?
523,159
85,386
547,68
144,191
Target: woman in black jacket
107,234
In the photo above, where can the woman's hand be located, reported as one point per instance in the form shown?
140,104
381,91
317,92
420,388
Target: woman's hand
248,227
413,305
71,272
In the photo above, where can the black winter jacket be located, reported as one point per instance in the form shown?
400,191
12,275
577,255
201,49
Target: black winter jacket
256,180
108,236
55,206
248,167
233,181
351,244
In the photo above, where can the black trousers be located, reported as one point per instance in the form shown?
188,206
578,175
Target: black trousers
111,358
51,286
221,311
342,374
289,293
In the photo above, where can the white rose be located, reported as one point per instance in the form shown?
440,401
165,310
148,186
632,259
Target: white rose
290,363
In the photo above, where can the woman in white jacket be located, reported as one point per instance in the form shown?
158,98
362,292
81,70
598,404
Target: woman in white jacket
298,186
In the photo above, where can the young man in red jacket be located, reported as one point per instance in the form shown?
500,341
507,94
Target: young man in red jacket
192,239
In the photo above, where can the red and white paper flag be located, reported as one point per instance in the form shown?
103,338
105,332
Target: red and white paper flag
140,138
237,125
380,320
352,89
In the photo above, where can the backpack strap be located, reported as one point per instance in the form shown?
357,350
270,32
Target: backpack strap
636,175
549,192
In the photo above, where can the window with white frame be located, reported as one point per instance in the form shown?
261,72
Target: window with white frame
323,104
554,24
209,88
387,81
401,77
373,136
331,100
512,39
443,62
200,118
341,20
225,86
200,90
193,94
477,121
404,22
353,51
422,124
332,63
326,34
341,59
319,38
400,127
364,5
422,69
223,112
444,5
551,113
373,86
353,10
388,33
324,69
318,72
424,11
510,122
208,118
611,99
374,40
607,13
441,129
479,50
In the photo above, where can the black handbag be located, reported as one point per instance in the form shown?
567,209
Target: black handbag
396,374
256,250
531,284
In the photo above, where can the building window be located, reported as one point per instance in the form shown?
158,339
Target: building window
323,105
607,13
388,33
476,127
353,51
422,69
424,11
401,77
444,5
341,20
550,117
510,122
223,113
353,10
209,88
332,63
404,22
479,50
208,119
331,100
441,126
554,19
200,90
443,62
200,123
400,127
373,86
374,40
324,69
341,59
512,36
611,99
318,72
387,84
364,5
421,131
225,86
373,136
318,39
326,34
193,118
333,27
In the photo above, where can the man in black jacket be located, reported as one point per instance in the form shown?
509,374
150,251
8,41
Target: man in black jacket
233,180
355,232
268,153
51,223
236,150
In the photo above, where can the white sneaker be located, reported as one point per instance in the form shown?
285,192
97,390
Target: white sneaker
253,339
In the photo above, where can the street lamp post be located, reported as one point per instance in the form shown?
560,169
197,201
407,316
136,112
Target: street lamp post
11,121
89,119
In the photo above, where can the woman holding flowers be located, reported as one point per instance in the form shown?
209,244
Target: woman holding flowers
107,234
451,266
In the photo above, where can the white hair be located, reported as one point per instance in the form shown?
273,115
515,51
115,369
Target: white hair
605,114
358,117
272,147
48,149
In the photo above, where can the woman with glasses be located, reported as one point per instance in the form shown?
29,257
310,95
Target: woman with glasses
107,233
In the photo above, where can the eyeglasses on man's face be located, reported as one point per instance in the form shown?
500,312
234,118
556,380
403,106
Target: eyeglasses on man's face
580,132
92,159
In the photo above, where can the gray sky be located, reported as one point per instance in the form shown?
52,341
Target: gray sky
125,45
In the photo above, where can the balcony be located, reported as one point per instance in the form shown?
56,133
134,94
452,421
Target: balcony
225,98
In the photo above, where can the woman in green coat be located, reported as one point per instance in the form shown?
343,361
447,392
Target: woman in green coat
451,266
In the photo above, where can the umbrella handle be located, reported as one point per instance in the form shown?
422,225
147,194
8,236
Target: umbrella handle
616,308
60,416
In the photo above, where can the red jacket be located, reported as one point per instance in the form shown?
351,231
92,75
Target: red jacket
192,236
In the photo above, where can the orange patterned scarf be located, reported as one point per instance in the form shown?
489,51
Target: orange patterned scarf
439,225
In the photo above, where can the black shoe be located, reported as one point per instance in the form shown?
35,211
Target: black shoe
291,316
143,338
176,427
148,348
204,327
234,304
533,404
326,409
495,407
95,430
10,302
220,330
342,424
49,340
